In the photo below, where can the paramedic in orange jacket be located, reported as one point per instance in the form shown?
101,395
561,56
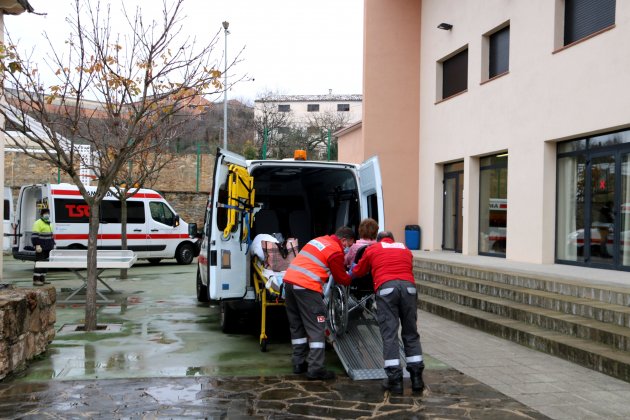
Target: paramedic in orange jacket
303,284
391,264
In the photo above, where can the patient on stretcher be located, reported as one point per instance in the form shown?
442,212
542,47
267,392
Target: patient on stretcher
273,255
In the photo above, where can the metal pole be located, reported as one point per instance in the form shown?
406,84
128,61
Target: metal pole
225,27
264,151
198,166
329,144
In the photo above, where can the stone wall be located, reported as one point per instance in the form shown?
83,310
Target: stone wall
191,206
27,325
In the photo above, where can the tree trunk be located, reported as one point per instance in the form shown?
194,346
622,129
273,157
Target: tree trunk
90,291
123,229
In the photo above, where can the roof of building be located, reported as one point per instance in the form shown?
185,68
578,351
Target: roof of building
311,98
15,7
348,129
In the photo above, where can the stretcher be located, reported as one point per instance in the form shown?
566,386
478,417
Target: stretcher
266,295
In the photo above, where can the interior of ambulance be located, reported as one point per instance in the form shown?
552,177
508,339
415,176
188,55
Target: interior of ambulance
300,202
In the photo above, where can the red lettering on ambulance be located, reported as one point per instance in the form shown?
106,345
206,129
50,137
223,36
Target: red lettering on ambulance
78,210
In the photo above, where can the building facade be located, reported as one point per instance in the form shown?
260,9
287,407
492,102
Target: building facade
522,127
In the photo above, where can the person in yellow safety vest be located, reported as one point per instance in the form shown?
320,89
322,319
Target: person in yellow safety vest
43,241
306,311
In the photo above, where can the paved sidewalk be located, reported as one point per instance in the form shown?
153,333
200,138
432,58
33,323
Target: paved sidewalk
548,384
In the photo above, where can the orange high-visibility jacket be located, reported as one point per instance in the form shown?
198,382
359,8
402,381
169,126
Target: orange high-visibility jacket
310,268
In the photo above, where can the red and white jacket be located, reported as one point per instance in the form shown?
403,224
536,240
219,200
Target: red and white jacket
387,260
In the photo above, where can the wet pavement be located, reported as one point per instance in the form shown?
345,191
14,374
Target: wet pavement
452,395
163,356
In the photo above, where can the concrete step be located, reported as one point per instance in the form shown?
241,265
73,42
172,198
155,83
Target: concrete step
612,335
587,353
567,304
554,284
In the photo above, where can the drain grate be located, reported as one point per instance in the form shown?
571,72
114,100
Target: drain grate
100,328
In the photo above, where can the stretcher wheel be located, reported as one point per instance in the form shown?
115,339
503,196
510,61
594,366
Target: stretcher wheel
338,310
263,345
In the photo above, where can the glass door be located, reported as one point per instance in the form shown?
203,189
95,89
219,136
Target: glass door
601,215
453,201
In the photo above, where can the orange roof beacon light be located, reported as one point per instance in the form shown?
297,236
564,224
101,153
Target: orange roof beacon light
299,155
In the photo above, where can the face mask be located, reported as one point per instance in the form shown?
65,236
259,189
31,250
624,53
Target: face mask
46,217
346,250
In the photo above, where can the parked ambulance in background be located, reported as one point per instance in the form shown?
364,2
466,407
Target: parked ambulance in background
154,230
8,219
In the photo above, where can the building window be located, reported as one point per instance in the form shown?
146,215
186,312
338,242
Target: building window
593,201
493,205
284,108
499,53
585,17
455,74
312,107
284,130
343,107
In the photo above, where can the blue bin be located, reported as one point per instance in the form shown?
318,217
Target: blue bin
412,236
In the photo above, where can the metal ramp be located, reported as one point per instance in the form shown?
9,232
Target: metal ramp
360,349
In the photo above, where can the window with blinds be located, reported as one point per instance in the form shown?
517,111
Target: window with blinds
455,74
499,54
585,17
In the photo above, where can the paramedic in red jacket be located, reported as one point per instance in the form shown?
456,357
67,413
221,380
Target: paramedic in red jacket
391,264
303,284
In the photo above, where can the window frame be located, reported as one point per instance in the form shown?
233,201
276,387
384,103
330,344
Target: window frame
284,108
312,107
446,62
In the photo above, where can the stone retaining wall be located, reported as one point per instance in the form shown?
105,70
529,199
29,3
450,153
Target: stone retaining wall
27,325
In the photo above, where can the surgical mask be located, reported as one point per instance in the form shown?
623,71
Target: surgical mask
346,250
46,217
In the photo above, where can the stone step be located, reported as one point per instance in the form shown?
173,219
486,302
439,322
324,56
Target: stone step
615,336
614,294
587,353
584,307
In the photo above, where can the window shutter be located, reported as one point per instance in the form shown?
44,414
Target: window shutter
499,52
455,74
585,17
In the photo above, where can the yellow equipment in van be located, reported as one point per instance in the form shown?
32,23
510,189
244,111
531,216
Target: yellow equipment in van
240,201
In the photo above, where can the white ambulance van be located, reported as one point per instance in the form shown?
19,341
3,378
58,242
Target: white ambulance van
154,230
8,219
298,198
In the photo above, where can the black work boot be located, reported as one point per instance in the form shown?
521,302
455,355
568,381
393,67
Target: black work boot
415,372
37,281
300,368
394,381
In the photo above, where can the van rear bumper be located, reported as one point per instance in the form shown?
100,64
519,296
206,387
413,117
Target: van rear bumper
23,255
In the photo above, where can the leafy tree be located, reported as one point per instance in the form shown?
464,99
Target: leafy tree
141,78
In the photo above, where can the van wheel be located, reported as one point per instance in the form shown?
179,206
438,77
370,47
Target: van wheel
154,261
202,289
227,317
185,254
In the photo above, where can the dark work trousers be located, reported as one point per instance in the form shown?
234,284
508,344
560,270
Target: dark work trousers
38,272
306,312
396,300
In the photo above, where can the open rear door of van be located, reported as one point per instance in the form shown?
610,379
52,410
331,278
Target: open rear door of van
228,260
371,189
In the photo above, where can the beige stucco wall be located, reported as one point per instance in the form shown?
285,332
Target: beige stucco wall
546,97
391,103
351,146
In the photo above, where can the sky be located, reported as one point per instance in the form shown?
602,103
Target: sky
291,47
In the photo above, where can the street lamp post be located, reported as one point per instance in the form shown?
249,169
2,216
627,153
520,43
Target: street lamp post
226,24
